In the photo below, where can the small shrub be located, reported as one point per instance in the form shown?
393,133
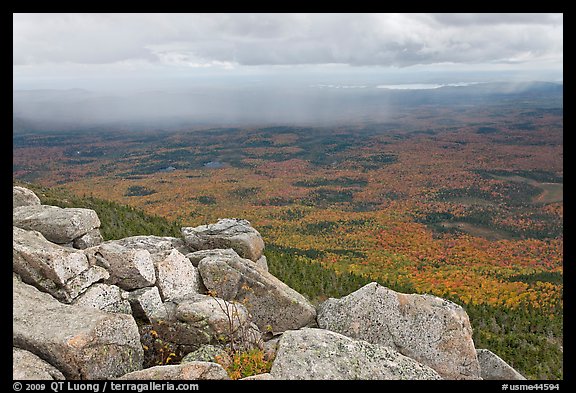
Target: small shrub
244,349
157,352
247,363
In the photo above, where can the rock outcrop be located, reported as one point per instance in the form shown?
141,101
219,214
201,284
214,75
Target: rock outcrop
493,367
431,330
74,310
226,233
24,197
181,372
81,342
58,225
274,305
262,263
128,268
196,320
196,256
207,353
89,239
104,297
27,366
176,276
63,272
153,244
321,354
146,304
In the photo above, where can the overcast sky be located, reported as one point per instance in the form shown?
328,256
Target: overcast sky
91,50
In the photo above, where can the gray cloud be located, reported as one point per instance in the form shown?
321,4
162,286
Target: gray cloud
233,40
487,19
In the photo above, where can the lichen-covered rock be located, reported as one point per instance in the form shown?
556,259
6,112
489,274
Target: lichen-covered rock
431,330
58,270
147,304
153,244
128,268
176,277
27,366
89,239
81,342
104,297
270,347
196,256
274,305
493,367
223,253
321,354
201,319
23,197
226,233
262,263
58,225
208,353
187,371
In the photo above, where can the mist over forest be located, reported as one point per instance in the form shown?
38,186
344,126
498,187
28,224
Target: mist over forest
320,104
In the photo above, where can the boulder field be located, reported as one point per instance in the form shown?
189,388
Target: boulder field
79,303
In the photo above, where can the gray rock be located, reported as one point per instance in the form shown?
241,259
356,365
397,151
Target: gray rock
58,225
60,271
23,197
81,282
258,377
270,347
196,256
262,263
27,366
249,337
154,244
494,368
226,233
89,239
207,353
81,342
187,371
321,354
146,304
431,330
128,268
274,306
104,297
201,319
176,276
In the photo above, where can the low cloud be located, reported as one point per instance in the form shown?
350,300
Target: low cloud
227,40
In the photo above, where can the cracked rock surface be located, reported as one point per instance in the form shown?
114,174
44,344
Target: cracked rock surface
431,330
187,371
226,233
81,342
321,354
27,366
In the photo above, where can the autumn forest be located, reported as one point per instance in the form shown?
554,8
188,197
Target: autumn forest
461,200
